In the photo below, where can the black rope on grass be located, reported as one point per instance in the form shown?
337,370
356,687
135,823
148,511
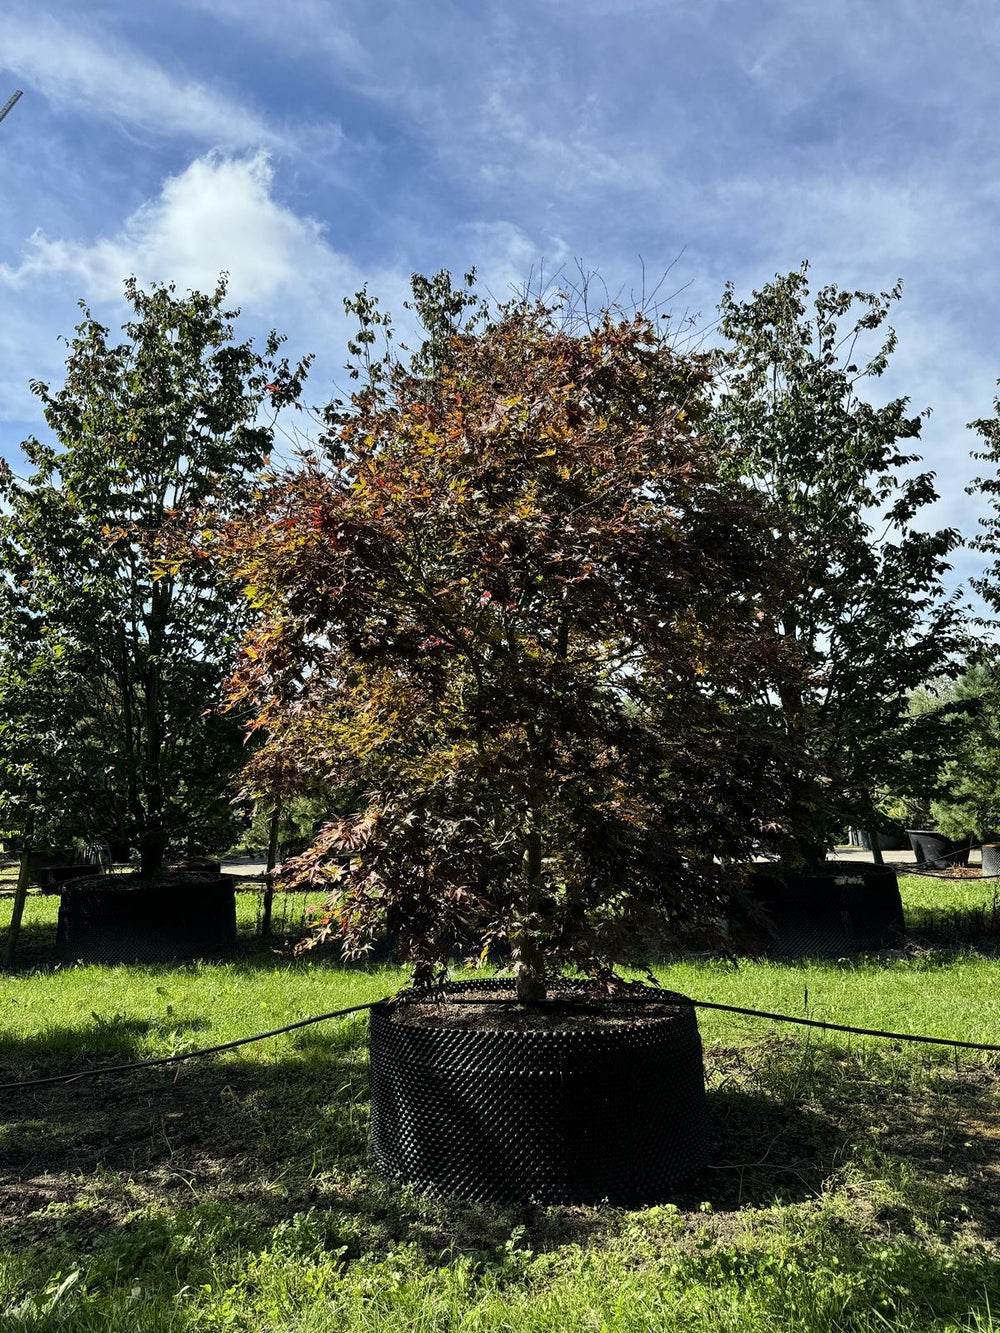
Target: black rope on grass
938,874
843,1027
186,1055
416,997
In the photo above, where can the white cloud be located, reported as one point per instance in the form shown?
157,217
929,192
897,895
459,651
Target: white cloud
110,79
219,213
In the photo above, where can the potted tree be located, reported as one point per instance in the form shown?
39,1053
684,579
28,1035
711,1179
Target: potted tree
868,610
513,598
144,431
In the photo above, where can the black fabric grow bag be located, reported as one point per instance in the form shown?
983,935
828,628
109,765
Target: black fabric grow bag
839,908
568,1115
936,852
127,919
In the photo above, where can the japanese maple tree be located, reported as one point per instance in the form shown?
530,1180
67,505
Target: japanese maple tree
510,598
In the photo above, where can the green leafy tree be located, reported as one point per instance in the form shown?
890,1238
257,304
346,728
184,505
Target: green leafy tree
971,775
868,610
299,820
965,795
146,431
514,600
987,541
940,715
50,780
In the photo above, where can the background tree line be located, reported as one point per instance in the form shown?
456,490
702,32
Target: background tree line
548,603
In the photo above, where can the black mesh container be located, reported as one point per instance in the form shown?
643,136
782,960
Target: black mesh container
567,1115
841,908
126,919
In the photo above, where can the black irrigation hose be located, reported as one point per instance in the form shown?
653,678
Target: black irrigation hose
361,1008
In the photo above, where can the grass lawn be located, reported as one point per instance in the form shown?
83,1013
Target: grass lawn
855,1184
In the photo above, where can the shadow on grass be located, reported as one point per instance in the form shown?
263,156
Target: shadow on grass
36,949
956,928
36,946
253,1143
106,1039
912,1143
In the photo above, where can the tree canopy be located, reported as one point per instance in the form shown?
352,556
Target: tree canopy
867,606
132,651
512,596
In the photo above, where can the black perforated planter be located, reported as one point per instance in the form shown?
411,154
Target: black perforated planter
606,1103
127,919
839,908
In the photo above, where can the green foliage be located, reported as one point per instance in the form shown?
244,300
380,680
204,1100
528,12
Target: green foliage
869,611
936,730
906,811
51,778
950,777
300,820
125,648
988,541
967,796
513,600
972,775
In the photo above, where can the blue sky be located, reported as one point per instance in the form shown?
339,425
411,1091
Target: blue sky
313,145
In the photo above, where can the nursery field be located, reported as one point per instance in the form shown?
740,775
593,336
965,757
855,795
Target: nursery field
855,1183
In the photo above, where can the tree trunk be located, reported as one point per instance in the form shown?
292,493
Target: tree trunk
152,848
129,740
153,840
20,892
808,849
529,962
877,856
812,851
272,861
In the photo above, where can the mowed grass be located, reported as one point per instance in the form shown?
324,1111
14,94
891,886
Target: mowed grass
953,992
855,1184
